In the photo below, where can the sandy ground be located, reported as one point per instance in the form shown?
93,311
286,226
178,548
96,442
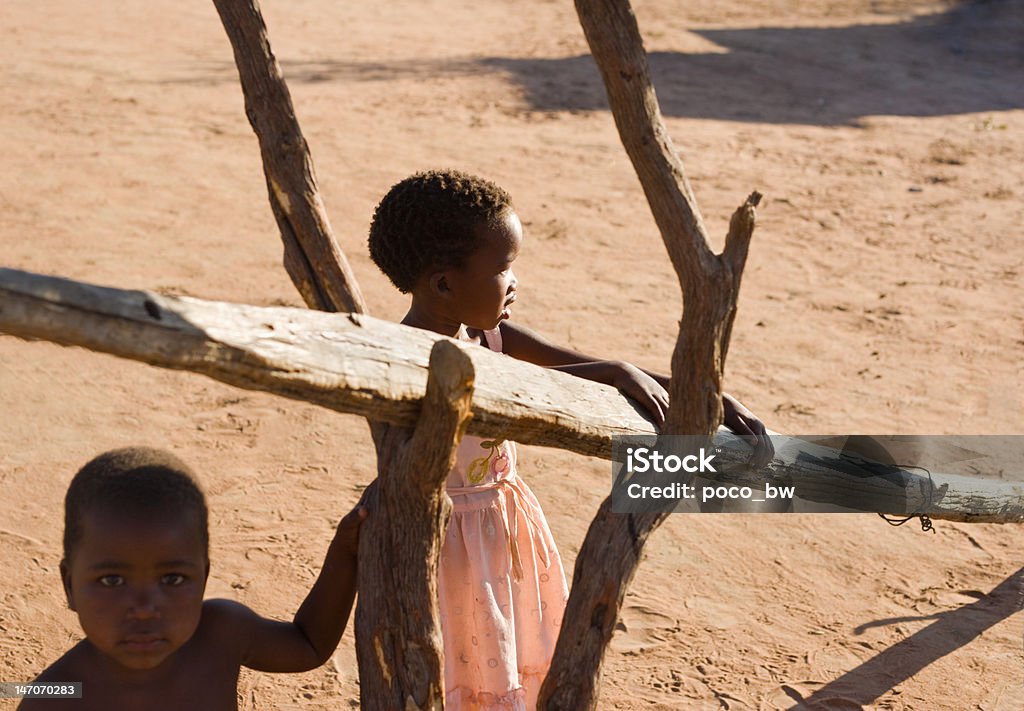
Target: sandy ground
883,295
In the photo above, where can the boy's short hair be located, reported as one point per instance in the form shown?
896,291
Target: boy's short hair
133,481
431,221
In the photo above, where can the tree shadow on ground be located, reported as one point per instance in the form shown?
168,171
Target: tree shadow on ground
951,631
967,60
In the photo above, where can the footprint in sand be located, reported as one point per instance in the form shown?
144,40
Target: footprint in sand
711,612
640,627
832,661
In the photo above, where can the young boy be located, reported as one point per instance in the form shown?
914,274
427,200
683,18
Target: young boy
135,568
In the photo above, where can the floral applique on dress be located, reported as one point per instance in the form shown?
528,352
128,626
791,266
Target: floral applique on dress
478,467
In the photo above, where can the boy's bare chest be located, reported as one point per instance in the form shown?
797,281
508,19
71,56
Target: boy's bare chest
200,680
200,690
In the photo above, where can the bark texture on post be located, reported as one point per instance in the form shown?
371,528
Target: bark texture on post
710,284
315,263
398,640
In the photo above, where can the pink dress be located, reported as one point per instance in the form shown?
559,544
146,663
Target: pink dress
501,583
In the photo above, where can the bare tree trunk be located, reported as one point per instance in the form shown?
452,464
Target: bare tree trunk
401,656
315,263
710,283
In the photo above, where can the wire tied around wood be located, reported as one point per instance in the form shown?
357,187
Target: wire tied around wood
926,521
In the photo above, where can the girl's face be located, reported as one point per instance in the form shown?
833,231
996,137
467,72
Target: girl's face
482,291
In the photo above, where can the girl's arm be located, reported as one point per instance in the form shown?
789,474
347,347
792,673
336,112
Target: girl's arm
523,344
647,388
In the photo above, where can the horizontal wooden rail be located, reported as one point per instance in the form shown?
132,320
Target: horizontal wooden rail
361,365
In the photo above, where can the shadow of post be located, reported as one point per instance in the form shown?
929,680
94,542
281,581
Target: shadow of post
969,59
953,629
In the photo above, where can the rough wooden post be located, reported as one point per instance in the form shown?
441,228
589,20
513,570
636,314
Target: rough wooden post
315,263
710,284
398,641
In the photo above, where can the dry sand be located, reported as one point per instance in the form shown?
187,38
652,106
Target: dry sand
883,295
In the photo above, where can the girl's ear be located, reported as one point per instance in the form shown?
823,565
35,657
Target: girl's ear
439,284
65,579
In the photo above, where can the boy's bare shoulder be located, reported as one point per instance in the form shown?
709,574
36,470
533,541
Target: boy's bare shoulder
70,667
224,629
219,613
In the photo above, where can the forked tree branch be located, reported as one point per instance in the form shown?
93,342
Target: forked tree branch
710,285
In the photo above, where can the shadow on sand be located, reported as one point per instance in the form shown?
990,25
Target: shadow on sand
951,630
969,59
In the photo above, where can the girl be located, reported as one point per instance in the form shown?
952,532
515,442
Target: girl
449,239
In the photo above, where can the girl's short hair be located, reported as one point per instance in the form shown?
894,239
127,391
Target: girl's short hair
133,481
432,221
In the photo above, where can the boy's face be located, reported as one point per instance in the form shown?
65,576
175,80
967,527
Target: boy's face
485,287
137,585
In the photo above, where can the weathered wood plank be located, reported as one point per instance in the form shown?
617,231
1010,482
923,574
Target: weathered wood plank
361,365
851,481
345,362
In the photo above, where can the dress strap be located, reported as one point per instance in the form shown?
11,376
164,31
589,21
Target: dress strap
493,339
